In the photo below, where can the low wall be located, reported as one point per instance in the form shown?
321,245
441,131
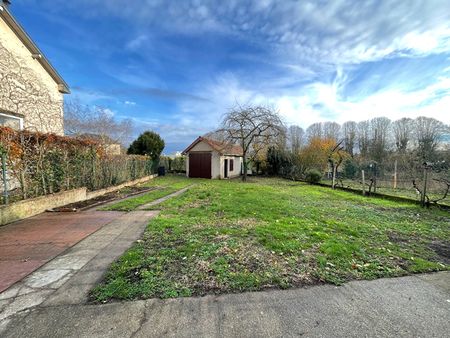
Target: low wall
34,206
96,193
27,208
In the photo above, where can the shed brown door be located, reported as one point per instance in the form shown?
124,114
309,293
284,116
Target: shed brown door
200,165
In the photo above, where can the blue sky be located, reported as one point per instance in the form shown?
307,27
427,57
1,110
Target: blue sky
177,66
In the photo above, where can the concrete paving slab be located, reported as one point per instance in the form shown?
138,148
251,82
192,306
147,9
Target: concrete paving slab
44,278
111,320
165,198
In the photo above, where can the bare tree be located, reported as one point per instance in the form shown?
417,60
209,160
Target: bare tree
296,138
249,126
98,122
379,131
428,132
314,131
402,133
331,130
362,132
349,130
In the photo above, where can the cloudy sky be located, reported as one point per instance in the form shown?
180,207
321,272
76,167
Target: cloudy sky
178,66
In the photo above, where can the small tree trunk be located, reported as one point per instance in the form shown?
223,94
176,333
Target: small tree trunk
424,189
244,176
333,185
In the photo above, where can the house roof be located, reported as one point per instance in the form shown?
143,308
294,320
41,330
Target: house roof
222,148
6,15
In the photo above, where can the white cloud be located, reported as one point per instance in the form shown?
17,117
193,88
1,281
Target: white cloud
319,101
432,101
130,103
137,42
337,31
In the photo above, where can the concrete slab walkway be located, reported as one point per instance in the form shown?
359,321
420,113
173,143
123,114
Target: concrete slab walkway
28,244
165,198
415,306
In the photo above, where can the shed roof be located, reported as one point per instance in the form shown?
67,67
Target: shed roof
223,148
6,15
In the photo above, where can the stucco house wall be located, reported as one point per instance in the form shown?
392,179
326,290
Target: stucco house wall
27,90
236,167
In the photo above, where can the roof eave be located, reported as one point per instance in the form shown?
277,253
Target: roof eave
34,49
197,140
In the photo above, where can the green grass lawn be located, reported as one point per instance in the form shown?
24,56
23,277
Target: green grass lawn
163,185
228,236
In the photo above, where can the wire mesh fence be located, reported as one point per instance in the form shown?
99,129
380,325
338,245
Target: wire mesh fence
425,182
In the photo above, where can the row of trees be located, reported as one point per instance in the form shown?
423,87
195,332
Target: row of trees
376,137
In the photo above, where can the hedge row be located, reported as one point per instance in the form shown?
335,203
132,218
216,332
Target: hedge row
40,164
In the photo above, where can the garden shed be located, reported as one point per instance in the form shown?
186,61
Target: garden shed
208,158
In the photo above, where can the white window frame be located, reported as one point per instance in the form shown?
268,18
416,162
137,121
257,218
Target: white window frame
14,117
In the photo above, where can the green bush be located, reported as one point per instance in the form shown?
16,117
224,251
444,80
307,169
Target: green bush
313,176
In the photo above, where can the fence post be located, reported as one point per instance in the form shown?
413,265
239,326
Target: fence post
5,180
424,190
395,174
363,183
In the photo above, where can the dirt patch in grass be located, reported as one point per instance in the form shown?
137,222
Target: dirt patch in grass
396,237
442,250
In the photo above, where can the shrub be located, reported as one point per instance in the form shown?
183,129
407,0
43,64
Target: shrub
277,161
313,176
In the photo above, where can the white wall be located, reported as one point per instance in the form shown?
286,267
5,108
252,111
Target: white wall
236,167
216,166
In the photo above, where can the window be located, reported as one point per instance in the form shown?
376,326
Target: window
231,165
11,121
